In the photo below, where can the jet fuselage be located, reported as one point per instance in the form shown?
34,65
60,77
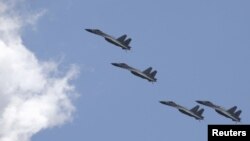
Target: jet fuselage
189,113
219,110
109,38
134,71
224,113
114,41
142,75
183,109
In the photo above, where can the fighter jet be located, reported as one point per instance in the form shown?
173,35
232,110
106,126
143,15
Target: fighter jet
146,74
120,42
230,113
195,112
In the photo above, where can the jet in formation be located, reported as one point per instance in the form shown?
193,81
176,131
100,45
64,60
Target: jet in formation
229,113
195,112
120,42
146,74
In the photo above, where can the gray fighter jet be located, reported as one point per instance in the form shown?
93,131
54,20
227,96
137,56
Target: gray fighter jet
120,42
146,74
195,112
230,113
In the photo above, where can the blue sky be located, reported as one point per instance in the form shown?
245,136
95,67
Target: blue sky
201,50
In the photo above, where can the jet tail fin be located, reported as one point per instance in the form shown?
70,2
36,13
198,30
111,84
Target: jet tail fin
238,113
122,38
195,108
147,71
200,112
232,110
126,42
153,74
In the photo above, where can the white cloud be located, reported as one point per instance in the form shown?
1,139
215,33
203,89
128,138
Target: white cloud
32,19
32,96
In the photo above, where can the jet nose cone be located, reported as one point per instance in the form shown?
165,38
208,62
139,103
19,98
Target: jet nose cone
199,101
163,102
89,30
114,64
